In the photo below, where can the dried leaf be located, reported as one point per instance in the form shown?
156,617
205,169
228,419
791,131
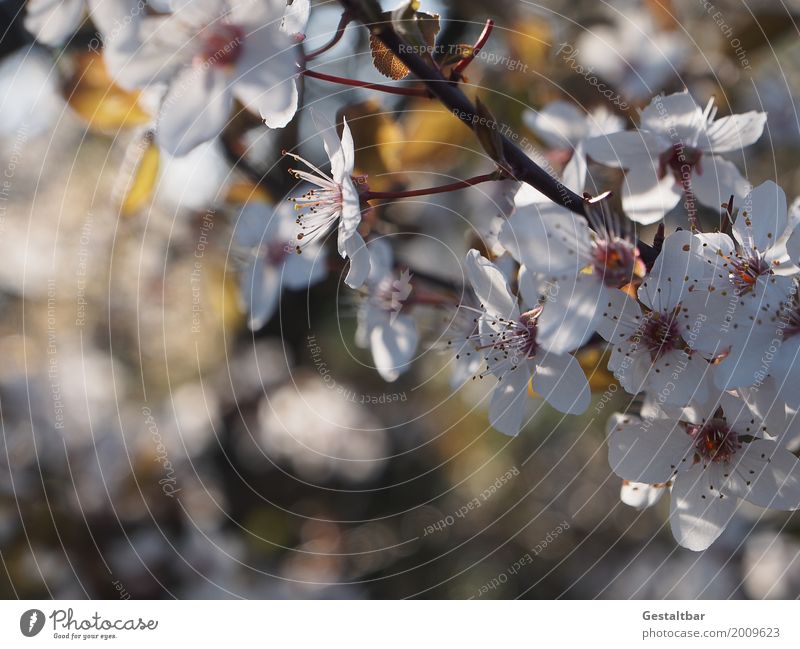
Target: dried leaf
385,61
99,101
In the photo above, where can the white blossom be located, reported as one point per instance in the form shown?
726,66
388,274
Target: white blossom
265,240
714,454
334,201
384,325
515,345
675,154
206,52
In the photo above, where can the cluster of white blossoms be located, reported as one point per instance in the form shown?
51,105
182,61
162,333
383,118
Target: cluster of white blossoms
708,332
709,335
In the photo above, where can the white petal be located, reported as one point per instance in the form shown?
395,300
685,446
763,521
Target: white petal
625,149
677,115
560,380
381,259
793,246
138,54
510,399
296,17
766,475
743,365
547,239
334,147
52,22
574,174
195,110
570,315
350,216
250,227
650,450
30,97
304,270
619,317
261,290
762,217
356,251
393,343
265,80
646,198
698,513
679,378
720,179
560,124
490,286
639,494
733,132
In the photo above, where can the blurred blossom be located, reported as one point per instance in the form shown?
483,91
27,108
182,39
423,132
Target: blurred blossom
321,433
195,181
771,566
632,53
29,96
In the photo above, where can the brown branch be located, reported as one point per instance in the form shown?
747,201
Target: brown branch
450,95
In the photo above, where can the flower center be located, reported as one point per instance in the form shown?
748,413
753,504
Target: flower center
714,441
527,331
681,161
222,46
319,207
659,334
615,261
745,271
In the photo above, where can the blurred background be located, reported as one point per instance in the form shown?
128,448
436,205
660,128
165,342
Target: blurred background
154,447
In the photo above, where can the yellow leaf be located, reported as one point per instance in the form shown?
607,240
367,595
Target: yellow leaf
432,135
140,173
385,62
594,360
247,192
93,95
529,42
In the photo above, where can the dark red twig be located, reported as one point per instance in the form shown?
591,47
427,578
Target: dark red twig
394,90
344,21
458,70
461,184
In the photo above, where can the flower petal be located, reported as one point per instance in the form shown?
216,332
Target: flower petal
561,381
720,179
547,239
260,291
762,217
733,132
393,341
650,450
52,22
766,475
490,286
195,110
677,115
356,251
646,198
510,400
639,494
699,512
569,317
560,124
625,149
265,79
